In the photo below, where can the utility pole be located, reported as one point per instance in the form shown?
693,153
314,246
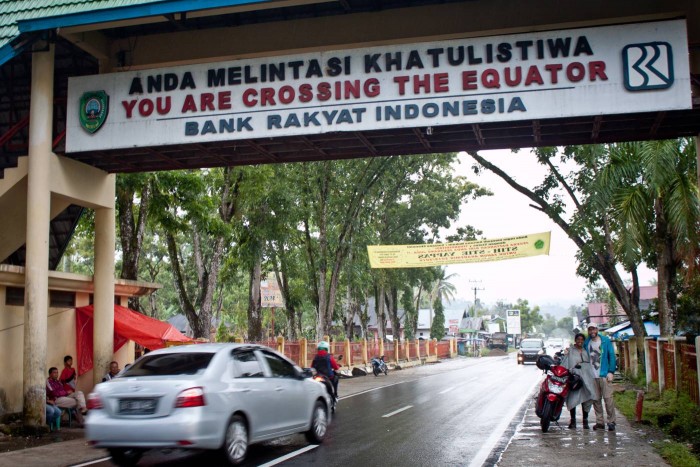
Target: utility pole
475,289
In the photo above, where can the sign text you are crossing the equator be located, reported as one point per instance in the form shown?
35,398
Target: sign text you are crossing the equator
549,74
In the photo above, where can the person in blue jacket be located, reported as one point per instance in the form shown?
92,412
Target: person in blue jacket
602,355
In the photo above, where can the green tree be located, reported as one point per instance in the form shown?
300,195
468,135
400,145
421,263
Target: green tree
530,318
133,197
549,324
568,196
566,323
437,327
195,210
652,187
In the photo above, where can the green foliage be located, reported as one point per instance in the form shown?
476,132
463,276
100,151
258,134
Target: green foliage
437,328
676,414
688,314
530,319
223,334
676,454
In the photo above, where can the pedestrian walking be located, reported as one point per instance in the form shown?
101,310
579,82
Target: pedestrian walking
577,361
602,357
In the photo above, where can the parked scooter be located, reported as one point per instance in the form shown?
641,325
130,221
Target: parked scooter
553,390
379,365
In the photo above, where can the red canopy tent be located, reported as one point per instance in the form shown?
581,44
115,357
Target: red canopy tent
128,325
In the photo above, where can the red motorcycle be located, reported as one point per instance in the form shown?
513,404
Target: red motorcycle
553,390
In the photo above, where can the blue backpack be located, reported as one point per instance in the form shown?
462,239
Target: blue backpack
322,364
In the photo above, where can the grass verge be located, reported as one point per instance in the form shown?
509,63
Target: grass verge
676,415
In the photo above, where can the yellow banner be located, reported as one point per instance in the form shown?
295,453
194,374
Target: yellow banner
477,251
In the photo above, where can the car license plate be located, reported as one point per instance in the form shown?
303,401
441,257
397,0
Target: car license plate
137,406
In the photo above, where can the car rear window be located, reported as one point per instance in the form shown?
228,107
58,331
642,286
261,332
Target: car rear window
186,363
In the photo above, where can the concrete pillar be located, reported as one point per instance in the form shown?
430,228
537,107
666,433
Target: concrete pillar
365,361
397,346
660,363
677,360
36,278
280,344
407,349
435,347
417,342
348,355
381,347
238,340
103,322
647,362
303,349
634,361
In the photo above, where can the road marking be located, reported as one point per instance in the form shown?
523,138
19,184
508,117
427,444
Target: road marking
96,461
397,411
279,460
446,390
487,447
379,387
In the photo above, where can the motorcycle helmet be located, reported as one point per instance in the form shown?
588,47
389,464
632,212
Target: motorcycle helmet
575,382
323,345
544,362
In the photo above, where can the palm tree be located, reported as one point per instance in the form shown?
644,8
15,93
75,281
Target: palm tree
442,288
653,191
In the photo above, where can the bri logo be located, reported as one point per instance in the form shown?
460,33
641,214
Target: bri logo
648,66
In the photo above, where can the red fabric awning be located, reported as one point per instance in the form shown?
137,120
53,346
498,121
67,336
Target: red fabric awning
128,325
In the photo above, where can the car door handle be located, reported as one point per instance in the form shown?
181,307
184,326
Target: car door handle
279,388
244,390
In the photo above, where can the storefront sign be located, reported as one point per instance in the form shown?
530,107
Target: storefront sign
550,74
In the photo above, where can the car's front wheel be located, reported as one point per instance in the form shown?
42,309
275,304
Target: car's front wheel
319,424
125,457
236,440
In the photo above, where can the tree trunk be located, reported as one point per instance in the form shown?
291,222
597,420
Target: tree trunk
254,305
392,299
349,314
666,270
131,232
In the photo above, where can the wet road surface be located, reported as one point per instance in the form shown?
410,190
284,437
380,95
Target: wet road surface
454,413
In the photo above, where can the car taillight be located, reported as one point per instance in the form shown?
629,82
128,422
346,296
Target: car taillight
94,402
193,397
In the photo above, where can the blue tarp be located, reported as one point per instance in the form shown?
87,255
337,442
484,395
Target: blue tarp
625,329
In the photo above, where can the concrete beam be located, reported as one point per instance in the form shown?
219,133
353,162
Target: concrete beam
82,184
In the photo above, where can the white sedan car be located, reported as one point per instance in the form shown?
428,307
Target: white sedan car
206,396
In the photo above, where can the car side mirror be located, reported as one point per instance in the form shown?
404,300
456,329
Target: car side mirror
517,347
307,373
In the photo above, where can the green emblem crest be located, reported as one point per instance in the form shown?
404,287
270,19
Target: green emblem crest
539,244
94,107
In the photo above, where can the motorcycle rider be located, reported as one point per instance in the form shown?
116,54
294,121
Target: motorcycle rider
325,364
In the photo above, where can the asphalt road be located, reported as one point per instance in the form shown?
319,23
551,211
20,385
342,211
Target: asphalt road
455,413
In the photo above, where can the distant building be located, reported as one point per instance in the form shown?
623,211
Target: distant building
599,314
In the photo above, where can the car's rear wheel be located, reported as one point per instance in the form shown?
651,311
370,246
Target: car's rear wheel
236,440
125,457
319,424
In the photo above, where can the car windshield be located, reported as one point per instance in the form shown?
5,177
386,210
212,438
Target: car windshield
186,363
531,344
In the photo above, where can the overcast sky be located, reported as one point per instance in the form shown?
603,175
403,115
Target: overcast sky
542,280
